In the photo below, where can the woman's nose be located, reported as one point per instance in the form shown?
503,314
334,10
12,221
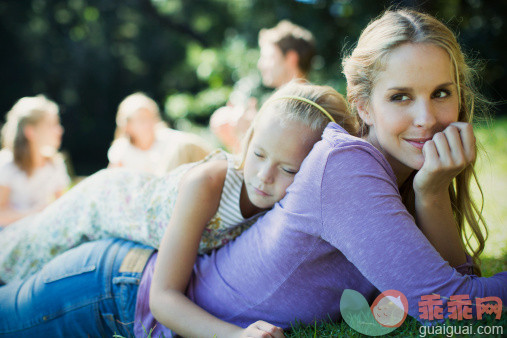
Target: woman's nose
425,114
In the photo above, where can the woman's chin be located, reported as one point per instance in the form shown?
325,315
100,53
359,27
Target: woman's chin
417,162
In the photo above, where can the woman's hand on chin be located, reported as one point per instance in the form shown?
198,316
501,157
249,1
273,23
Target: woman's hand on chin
445,156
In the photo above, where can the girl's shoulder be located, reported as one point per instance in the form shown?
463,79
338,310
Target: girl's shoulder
212,172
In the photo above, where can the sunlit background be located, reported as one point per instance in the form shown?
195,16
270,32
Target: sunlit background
87,55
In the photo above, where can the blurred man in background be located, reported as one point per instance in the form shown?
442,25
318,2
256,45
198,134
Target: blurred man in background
286,53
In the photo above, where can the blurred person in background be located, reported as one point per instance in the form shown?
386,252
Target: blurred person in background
32,171
286,53
144,143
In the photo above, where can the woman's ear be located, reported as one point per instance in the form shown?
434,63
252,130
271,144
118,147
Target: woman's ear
364,112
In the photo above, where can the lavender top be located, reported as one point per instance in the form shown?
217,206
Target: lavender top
342,225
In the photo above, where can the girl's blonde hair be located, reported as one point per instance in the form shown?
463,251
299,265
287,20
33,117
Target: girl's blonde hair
287,107
27,111
128,107
369,59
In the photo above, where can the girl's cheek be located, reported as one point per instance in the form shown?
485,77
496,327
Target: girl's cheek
287,182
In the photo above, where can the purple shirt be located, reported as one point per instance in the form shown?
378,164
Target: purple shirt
342,225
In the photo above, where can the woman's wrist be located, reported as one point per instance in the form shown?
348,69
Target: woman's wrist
430,198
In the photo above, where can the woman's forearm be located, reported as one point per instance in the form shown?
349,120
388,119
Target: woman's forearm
436,221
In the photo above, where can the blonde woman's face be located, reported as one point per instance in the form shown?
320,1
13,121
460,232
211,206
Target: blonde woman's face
48,132
273,158
414,98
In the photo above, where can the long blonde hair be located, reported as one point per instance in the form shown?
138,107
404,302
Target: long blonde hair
27,111
368,60
288,108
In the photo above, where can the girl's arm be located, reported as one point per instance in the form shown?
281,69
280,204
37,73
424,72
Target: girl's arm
197,202
444,158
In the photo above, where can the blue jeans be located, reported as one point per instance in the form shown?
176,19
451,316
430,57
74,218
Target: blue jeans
80,293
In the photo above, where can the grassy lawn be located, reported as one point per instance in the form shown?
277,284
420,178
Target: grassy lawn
492,172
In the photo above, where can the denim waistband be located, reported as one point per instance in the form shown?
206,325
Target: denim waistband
135,260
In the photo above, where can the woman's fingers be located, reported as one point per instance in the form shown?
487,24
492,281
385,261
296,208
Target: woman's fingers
443,149
445,156
467,136
456,147
430,153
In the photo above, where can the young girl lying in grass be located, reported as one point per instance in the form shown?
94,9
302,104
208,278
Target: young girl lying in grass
217,198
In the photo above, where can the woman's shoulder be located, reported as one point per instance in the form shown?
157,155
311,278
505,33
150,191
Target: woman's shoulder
338,142
336,136
351,153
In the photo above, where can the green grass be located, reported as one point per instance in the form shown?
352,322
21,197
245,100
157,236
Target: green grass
410,328
492,172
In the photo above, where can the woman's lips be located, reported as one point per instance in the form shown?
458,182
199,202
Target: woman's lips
418,143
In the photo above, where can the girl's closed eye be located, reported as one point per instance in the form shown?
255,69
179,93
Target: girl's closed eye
290,171
258,154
